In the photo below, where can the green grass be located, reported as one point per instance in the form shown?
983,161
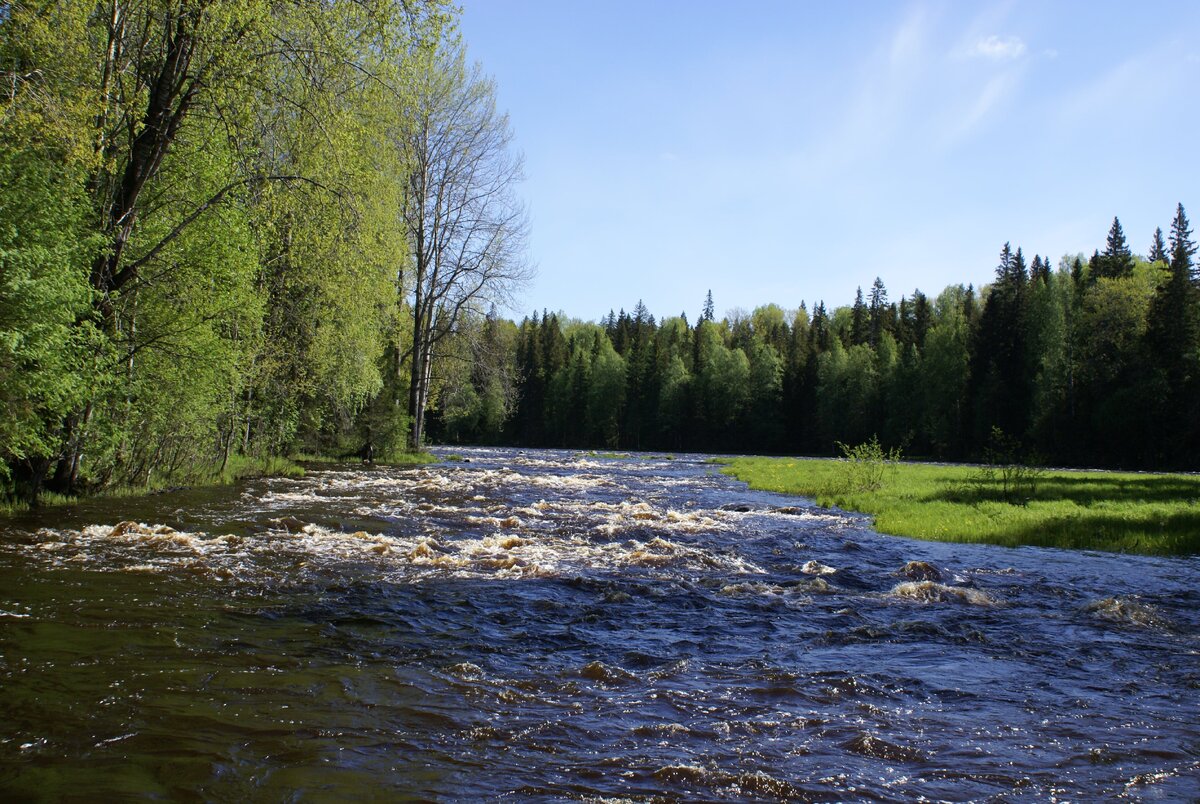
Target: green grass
389,459
241,467
1155,514
238,467
610,456
408,459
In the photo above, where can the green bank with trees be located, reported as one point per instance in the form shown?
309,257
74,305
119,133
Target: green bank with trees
214,250
234,232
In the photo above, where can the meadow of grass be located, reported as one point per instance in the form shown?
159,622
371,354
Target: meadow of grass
1155,514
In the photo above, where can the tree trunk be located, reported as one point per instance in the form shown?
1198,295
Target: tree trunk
416,410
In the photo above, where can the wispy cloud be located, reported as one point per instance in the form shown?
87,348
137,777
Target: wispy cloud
994,93
1135,86
865,121
997,48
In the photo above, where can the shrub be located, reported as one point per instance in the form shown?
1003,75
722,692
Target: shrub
1008,472
864,467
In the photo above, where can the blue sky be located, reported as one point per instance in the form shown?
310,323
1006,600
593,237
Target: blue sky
789,151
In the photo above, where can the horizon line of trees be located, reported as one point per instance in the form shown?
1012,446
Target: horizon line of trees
1094,362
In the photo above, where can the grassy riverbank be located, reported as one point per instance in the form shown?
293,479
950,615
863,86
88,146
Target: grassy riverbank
393,459
1139,513
238,467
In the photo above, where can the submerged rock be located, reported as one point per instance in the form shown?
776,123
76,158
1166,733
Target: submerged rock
920,571
1127,611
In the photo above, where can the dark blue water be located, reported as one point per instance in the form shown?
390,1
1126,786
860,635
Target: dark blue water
552,626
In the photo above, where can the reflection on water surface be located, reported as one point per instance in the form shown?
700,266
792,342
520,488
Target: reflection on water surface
551,626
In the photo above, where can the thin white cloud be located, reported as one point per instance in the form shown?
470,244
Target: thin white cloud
876,107
998,48
1135,86
995,92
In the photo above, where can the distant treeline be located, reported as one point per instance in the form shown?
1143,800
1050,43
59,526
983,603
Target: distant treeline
1092,362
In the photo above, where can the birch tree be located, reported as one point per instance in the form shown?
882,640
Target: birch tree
466,228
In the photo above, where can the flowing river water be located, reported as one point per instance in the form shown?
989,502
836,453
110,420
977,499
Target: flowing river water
553,626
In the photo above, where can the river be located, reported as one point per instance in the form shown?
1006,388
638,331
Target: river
548,625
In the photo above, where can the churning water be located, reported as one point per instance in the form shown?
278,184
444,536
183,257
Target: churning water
546,625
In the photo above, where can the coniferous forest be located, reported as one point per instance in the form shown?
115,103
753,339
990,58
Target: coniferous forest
1092,362
237,231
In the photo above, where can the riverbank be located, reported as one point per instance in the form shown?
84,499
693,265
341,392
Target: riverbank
1151,514
236,469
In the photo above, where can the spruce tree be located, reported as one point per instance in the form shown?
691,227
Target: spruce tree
877,309
1158,249
1171,338
1004,269
707,315
1117,259
858,320
1020,273
904,322
922,316
818,333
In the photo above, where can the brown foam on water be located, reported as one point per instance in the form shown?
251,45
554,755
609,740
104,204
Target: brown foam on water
541,539
932,592
1128,612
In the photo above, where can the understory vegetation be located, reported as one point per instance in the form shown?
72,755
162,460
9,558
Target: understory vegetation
1156,514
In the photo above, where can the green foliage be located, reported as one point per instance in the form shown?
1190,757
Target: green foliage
864,467
200,240
245,281
1084,368
1009,473
50,353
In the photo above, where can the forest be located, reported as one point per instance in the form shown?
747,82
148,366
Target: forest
232,232
1092,362
238,232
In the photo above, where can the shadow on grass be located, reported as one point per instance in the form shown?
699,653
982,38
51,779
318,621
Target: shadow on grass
1174,534
1084,491
1155,515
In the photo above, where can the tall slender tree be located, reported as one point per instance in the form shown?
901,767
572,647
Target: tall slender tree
878,311
860,330
1116,260
466,228
1158,248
